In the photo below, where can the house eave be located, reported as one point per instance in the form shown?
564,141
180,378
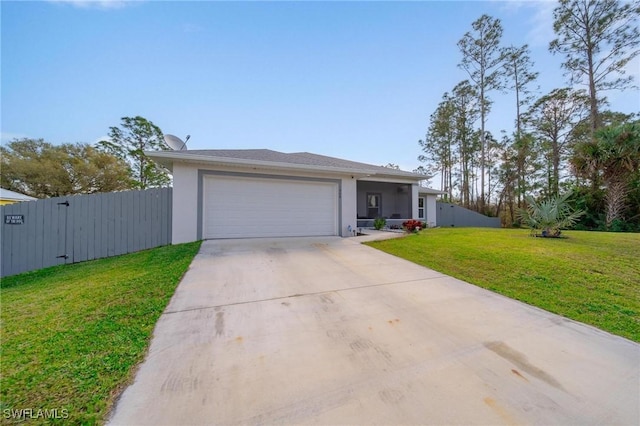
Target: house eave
168,158
429,191
390,179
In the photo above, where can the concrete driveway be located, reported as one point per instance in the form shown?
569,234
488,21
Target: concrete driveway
328,331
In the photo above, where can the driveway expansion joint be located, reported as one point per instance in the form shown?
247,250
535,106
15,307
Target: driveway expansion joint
199,308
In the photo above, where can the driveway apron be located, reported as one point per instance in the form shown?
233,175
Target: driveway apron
328,331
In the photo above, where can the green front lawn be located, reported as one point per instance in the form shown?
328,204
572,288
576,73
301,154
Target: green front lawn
72,335
592,277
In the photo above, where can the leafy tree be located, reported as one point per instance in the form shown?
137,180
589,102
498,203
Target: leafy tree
507,178
527,165
582,134
518,77
549,215
464,100
614,154
482,59
451,144
40,169
129,142
612,118
427,176
553,119
598,38
494,149
632,214
437,147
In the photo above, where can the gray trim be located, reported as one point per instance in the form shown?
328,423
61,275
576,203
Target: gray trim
204,172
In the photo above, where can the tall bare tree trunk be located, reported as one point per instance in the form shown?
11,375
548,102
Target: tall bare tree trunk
593,95
483,141
616,193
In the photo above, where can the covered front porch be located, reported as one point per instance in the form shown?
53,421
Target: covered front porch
391,201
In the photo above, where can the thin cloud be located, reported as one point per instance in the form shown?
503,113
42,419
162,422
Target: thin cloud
192,28
95,4
540,21
633,68
5,137
100,139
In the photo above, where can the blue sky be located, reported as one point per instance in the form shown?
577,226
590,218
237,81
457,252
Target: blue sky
356,80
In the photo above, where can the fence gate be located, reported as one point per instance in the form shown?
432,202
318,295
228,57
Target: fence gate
63,212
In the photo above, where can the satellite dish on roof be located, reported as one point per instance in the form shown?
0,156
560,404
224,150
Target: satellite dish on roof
175,143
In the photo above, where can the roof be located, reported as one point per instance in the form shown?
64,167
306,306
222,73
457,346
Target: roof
6,194
271,159
430,191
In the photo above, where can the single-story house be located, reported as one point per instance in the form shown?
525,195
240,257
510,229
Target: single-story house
263,193
10,197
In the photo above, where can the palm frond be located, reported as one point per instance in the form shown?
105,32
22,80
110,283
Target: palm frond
551,214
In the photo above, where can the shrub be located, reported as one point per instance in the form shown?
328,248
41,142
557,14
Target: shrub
549,215
413,225
379,223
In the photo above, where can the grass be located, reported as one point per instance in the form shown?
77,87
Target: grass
72,335
591,277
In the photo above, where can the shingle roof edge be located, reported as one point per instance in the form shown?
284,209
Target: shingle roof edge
284,160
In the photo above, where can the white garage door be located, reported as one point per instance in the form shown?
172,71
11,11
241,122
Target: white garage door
245,207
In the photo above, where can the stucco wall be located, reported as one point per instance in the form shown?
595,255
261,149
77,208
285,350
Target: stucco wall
349,205
431,213
185,201
414,201
185,204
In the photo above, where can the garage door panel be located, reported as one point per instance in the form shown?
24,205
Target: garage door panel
237,207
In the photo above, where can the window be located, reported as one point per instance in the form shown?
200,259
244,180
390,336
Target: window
373,205
421,208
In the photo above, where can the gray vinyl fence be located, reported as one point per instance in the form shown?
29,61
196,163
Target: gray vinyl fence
448,215
56,231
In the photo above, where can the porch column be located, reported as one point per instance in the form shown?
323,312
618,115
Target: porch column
414,201
349,206
431,210
184,218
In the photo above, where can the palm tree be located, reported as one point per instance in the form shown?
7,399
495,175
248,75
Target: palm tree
550,215
613,157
